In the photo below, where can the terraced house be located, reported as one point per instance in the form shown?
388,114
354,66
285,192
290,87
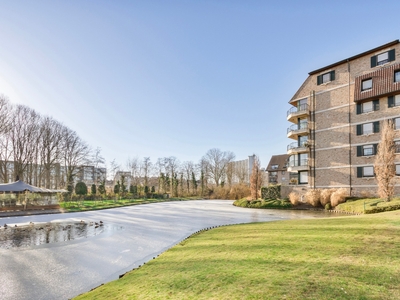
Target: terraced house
337,114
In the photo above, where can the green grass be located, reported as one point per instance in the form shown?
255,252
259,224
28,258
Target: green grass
85,205
354,257
267,203
369,205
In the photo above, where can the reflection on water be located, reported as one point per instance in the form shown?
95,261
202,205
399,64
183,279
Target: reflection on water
258,214
38,234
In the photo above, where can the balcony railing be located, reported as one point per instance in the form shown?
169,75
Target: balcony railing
273,179
297,145
298,163
298,127
298,109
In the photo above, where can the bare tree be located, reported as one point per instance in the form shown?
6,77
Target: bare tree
171,166
385,168
217,162
135,169
75,153
146,167
255,179
187,170
50,146
24,135
98,161
114,168
5,145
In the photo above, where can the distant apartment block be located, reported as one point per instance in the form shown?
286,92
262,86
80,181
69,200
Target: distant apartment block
239,171
337,116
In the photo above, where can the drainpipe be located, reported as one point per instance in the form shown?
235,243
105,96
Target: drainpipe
350,166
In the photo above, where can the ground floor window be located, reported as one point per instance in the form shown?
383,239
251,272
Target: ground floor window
303,177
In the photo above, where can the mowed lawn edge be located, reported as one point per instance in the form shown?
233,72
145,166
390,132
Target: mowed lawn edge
356,257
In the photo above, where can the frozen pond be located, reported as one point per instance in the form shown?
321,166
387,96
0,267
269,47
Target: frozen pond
53,264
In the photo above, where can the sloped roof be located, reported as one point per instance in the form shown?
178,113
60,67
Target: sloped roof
20,186
279,160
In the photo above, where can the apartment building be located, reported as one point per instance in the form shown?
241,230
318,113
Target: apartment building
337,115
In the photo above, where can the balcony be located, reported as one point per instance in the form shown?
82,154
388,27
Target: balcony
296,112
298,165
295,147
296,130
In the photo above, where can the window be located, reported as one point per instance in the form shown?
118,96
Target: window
367,106
394,101
303,159
283,172
367,150
366,84
327,77
368,128
397,146
303,177
303,124
274,167
365,172
397,170
396,123
383,58
397,76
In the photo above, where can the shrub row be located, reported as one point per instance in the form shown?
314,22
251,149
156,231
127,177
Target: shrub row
379,209
271,192
268,203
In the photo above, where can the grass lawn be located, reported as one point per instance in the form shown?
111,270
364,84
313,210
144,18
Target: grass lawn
74,206
369,205
354,257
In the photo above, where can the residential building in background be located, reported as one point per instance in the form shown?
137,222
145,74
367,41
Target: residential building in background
337,115
277,172
239,171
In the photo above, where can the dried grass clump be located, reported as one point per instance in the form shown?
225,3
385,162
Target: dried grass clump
294,198
239,191
339,197
220,192
313,197
326,196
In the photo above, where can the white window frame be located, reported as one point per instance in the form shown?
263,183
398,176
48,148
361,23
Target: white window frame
365,130
382,58
367,107
366,84
303,177
396,123
368,171
397,76
397,146
326,77
368,147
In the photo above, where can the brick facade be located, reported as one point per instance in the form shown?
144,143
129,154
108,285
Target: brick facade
337,124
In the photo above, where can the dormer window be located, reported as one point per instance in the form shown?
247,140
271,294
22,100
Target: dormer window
397,76
325,78
366,84
382,58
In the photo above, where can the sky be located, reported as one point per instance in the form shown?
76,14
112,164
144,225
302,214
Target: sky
177,78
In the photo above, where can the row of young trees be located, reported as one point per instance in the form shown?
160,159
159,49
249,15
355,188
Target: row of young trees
33,146
215,170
